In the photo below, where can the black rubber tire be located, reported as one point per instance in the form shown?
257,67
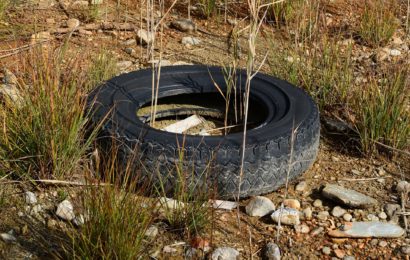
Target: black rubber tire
268,146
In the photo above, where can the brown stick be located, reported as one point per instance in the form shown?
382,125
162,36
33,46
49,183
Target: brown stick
58,182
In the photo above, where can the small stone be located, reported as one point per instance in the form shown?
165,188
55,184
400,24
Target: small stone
272,251
347,217
368,229
79,220
301,186
374,242
372,217
348,197
232,21
339,253
51,223
224,204
65,210
317,231
170,204
304,229
151,232
129,51
286,216
403,186
397,41
79,4
129,42
162,63
291,203
145,37
184,25
36,209
20,214
72,23
335,159
169,250
349,257
356,172
307,213
50,21
224,253
30,197
323,215
405,250
395,52
318,203
123,65
338,211
190,40
326,250
382,243
259,206
392,210
9,77
8,238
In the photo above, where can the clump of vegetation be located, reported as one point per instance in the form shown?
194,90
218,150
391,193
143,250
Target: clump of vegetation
206,7
324,69
383,112
378,22
3,7
103,67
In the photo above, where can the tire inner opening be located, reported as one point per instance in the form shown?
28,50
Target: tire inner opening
210,108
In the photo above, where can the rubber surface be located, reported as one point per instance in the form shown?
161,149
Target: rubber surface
213,161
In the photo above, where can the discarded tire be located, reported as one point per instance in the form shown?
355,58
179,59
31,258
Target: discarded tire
283,109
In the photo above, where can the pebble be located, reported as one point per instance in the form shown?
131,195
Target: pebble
372,217
317,231
145,37
347,217
259,206
123,65
8,238
339,253
9,77
323,215
368,229
51,223
348,197
190,40
65,210
36,209
349,257
11,92
272,251
129,42
30,197
224,204
301,186
391,210
383,243
338,211
403,186
326,250
317,203
307,213
286,216
382,215
374,242
395,52
129,51
224,253
405,250
169,250
184,25
72,23
170,204
304,229
151,232
291,203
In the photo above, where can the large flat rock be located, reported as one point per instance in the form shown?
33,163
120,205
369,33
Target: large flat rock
368,229
350,198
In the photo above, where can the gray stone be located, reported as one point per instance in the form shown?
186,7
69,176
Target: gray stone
65,210
9,77
30,197
145,37
323,215
190,40
326,250
11,92
392,210
368,229
382,215
347,217
317,231
317,203
336,125
338,211
348,197
72,23
286,216
272,251
301,186
403,186
225,253
259,207
8,237
307,213
405,250
349,257
151,231
184,25
129,51
224,204
383,243
304,229
129,42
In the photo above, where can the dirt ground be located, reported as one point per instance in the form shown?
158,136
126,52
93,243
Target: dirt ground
338,160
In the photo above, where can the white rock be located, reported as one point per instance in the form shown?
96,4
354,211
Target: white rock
145,37
291,203
286,216
224,253
169,204
403,186
36,209
151,232
224,204
272,251
72,23
323,215
301,187
317,203
65,210
307,213
395,52
8,238
304,229
347,217
259,207
338,211
30,197
382,215
190,40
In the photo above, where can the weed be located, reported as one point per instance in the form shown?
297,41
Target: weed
378,22
383,115
103,67
207,7
3,7
62,194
